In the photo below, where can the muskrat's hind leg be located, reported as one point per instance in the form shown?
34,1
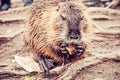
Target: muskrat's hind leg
45,64
42,64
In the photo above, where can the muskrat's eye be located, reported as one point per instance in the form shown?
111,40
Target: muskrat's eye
57,8
63,18
81,18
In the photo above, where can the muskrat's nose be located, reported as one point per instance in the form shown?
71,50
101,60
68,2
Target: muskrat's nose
74,34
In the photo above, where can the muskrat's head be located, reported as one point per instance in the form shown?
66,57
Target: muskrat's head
67,23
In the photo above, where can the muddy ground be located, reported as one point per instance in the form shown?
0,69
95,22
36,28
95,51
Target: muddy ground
105,41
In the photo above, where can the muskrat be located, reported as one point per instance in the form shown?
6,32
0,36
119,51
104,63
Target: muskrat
57,32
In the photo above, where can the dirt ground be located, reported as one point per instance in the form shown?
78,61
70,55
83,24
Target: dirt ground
106,40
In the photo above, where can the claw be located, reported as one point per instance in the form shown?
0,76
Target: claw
79,52
49,63
45,65
64,52
63,44
42,64
78,46
63,48
79,49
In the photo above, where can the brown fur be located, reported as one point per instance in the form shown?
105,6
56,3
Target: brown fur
46,28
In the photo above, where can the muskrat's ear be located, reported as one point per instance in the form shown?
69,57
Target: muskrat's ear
63,17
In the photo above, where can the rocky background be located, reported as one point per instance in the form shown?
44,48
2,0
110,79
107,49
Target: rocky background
102,60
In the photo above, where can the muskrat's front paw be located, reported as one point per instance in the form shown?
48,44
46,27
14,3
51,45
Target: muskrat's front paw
63,48
79,49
